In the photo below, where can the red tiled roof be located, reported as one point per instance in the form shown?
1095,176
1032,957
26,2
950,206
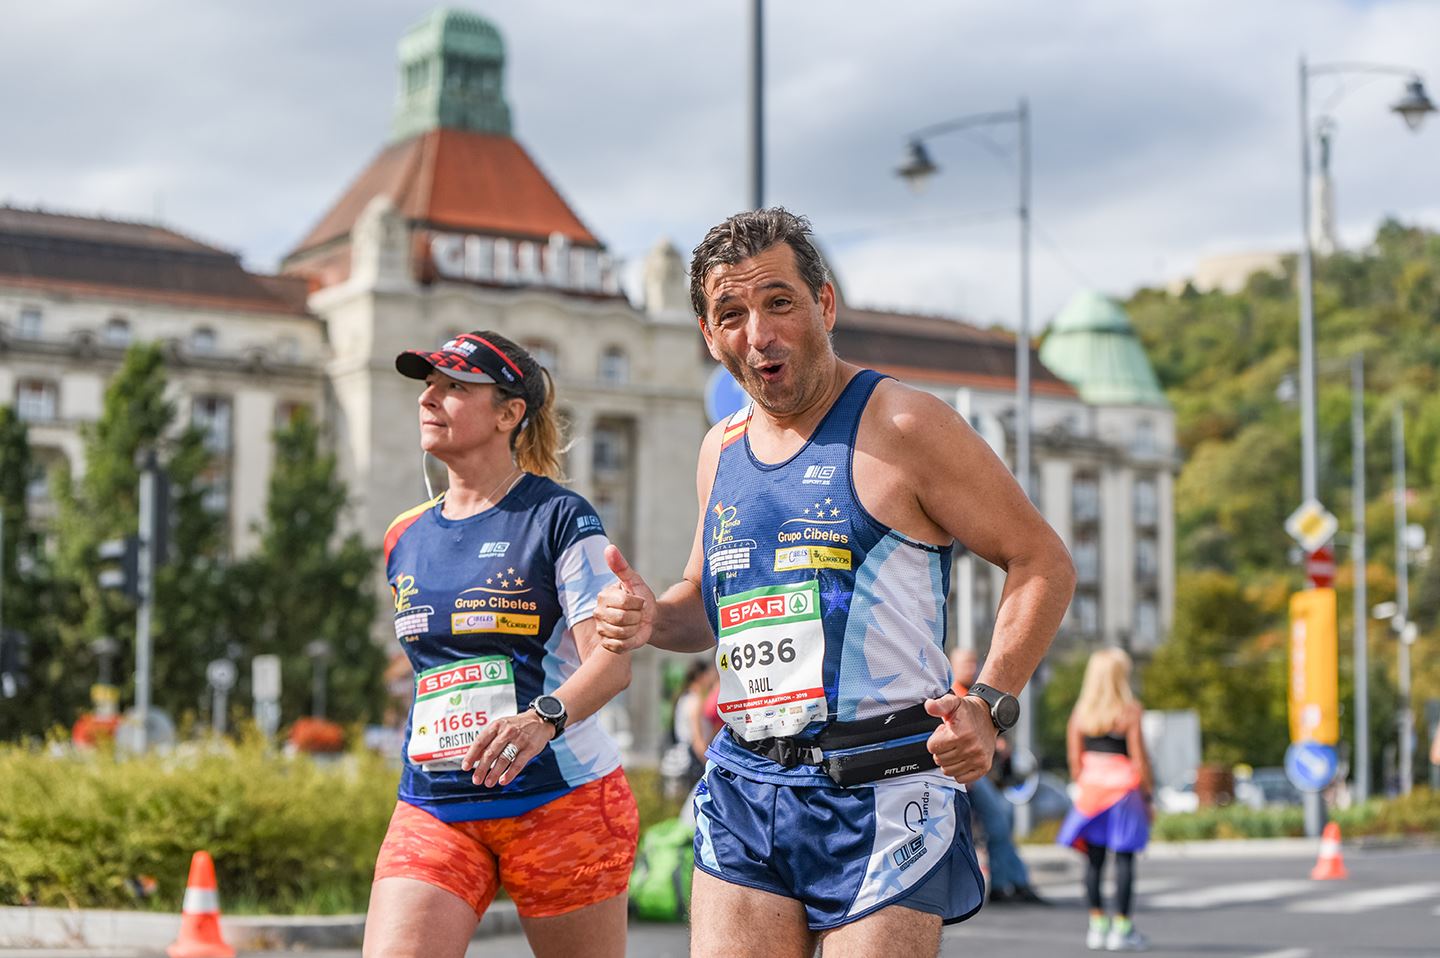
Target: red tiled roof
96,229
937,350
91,256
472,182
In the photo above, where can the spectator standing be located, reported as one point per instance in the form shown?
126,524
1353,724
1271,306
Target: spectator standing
1112,811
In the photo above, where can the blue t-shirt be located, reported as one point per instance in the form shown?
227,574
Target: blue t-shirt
821,612
486,605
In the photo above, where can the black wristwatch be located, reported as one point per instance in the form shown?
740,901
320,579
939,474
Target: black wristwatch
1004,707
552,710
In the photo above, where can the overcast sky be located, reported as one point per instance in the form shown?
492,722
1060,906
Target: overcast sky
1163,131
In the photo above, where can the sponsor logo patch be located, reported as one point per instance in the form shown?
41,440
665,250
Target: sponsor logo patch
491,550
504,623
909,853
413,622
818,475
811,557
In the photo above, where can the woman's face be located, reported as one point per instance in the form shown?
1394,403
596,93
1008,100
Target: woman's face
457,418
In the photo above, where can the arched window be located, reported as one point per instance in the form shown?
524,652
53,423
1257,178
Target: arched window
116,332
614,366
545,354
202,340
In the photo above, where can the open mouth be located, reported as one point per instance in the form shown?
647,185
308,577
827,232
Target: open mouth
770,372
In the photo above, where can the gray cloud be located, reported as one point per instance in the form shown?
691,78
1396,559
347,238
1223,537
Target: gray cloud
1162,131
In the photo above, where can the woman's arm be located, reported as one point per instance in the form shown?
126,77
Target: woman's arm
700,731
601,676
1135,744
1072,748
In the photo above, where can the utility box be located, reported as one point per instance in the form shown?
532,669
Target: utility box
1172,740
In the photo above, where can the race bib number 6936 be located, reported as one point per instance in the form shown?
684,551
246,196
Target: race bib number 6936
770,656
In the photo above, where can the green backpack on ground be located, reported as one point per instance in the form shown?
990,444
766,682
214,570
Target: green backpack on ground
664,865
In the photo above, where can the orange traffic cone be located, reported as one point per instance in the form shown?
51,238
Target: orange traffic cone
200,915
1329,865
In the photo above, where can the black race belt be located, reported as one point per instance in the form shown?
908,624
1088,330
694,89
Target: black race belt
842,749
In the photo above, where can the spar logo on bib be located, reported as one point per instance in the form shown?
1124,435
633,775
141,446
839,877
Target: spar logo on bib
764,608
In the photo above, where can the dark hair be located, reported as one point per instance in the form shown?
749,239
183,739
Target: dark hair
696,669
536,442
749,234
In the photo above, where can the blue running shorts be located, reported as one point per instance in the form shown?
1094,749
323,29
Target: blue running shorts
841,852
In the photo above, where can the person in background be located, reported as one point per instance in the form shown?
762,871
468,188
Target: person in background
684,762
1009,878
1112,811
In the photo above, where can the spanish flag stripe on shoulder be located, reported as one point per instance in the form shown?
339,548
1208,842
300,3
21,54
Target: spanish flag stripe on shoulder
404,521
735,428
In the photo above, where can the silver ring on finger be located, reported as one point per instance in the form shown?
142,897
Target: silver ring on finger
509,753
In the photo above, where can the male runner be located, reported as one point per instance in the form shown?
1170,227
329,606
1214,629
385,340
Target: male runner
821,563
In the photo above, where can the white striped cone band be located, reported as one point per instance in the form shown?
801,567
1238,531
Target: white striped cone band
201,901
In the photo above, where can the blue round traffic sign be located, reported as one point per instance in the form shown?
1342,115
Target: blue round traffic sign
1310,766
723,396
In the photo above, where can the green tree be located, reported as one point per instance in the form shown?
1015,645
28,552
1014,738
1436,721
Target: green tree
103,504
1213,664
196,608
307,585
22,579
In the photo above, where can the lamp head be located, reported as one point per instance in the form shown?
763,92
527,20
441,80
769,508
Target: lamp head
916,167
1415,104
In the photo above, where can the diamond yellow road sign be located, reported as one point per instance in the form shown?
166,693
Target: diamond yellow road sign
1312,525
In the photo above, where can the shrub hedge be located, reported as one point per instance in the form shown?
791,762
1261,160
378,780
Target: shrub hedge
1417,814
289,834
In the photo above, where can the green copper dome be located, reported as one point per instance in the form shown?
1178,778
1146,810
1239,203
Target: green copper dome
452,76
1092,346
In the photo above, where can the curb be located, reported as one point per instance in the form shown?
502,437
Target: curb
150,933
101,929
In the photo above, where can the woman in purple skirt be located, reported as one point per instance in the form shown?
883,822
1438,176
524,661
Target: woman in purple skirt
1112,811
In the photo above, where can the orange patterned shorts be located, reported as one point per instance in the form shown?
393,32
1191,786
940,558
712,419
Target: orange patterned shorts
575,851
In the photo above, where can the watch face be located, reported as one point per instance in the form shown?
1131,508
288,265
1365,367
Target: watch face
549,707
1007,711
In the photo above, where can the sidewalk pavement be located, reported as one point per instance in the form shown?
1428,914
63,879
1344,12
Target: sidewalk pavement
148,932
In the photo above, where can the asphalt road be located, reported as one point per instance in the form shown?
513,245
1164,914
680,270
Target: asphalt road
1236,907
1389,907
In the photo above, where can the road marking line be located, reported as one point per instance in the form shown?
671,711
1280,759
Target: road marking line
1285,953
1368,899
1242,894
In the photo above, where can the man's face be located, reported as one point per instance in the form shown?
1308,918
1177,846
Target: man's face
768,332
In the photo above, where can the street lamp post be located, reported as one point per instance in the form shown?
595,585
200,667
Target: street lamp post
1413,106
916,169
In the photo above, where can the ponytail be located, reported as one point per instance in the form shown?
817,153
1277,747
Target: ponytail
536,442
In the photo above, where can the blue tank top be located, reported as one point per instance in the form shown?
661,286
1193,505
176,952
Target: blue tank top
821,612
484,610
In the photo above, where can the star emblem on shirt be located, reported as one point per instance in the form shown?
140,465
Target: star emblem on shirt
834,512
519,582
835,598
504,583
510,571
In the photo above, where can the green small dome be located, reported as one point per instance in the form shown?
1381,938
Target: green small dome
1092,346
